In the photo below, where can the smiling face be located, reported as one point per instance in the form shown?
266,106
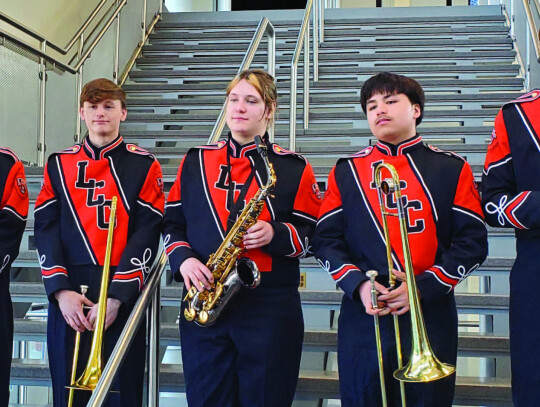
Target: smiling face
392,117
247,115
103,120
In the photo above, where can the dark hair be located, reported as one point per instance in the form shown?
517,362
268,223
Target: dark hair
388,83
102,89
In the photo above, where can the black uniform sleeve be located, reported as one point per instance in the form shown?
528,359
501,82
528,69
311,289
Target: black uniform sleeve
468,243
293,239
13,214
47,236
143,243
329,244
505,206
175,228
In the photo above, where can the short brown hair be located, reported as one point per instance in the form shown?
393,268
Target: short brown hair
263,82
102,89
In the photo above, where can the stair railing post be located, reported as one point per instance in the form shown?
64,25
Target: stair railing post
78,88
116,48
153,349
143,23
271,37
306,78
292,108
322,6
316,41
42,100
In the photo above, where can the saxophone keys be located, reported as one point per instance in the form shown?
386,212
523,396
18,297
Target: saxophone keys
203,317
189,313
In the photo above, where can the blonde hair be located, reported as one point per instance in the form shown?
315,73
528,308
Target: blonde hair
264,83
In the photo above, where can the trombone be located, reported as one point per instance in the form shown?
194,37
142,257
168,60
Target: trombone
423,365
93,370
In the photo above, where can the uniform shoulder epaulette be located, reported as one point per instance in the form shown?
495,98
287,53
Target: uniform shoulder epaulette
71,150
445,152
362,153
527,97
214,146
277,149
8,152
135,149
359,154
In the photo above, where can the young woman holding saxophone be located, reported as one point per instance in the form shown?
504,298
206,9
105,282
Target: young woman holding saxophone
238,359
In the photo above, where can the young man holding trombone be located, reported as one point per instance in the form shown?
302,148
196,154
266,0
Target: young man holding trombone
78,236
439,238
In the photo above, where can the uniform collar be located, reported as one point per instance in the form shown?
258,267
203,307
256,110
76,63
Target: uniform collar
238,151
97,153
402,148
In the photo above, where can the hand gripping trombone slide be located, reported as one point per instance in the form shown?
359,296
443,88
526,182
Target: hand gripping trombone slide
93,370
229,272
423,365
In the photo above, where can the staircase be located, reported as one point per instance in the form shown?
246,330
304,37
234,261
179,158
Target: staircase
462,56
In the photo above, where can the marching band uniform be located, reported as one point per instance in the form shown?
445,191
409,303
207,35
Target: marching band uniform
238,360
448,241
13,213
510,199
71,228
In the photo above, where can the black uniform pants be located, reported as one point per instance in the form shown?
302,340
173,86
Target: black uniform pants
525,324
358,362
6,337
128,385
251,356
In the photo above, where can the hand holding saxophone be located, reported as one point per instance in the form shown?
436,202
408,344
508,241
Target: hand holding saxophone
196,274
71,305
260,234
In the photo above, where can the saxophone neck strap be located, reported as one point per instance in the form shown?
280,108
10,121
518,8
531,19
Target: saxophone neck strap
237,206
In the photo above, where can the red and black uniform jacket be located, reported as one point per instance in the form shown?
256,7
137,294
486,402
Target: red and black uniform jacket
447,234
511,178
13,207
196,212
72,215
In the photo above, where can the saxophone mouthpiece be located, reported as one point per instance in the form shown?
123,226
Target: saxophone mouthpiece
261,147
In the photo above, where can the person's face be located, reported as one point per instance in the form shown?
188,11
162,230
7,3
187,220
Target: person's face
103,120
392,117
247,115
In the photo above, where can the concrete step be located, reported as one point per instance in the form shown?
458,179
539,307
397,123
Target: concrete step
311,384
470,344
181,115
285,57
217,87
335,44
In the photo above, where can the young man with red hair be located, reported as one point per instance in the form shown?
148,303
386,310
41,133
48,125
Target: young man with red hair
71,228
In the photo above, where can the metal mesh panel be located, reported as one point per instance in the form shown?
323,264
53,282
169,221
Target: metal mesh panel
19,101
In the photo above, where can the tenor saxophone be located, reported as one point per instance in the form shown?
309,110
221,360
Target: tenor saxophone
231,273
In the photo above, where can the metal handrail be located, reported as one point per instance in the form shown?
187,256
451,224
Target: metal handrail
264,27
535,32
303,39
39,37
148,298
138,51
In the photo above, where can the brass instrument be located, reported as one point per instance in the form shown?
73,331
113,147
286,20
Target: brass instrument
230,273
93,370
372,274
423,365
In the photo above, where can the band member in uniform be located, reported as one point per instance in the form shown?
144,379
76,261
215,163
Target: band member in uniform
13,213
447,238
510,199
251,355
71,228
